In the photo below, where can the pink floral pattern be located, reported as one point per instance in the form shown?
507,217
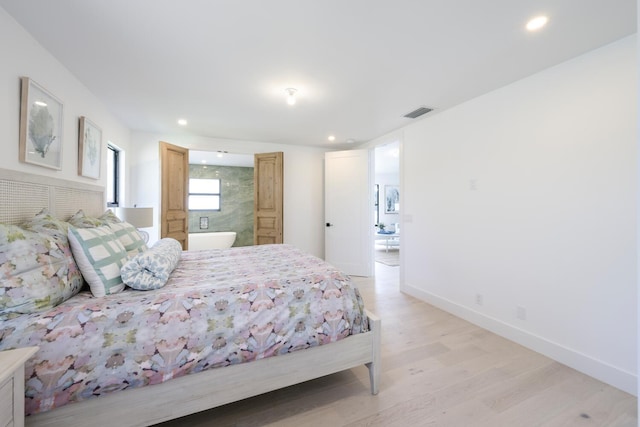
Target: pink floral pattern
219,307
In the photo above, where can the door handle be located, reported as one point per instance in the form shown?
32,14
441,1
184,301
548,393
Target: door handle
329,224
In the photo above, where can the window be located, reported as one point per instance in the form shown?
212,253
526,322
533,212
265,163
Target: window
113,175
204,194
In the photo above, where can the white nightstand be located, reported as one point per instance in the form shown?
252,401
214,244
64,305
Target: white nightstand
12,385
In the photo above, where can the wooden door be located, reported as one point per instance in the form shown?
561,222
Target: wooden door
268,198
174,220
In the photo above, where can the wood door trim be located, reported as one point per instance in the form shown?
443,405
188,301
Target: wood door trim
174,214
268,198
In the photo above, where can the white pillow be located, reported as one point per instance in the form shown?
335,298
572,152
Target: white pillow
100,256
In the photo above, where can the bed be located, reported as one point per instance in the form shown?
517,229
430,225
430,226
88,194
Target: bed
192,366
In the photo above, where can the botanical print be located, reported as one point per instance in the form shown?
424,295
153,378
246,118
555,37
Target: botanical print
41,128
91,149
89,145
41,123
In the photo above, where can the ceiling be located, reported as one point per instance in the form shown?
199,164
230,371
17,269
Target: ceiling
358,65
387,158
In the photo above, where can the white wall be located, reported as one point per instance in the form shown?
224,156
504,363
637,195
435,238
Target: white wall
551,225
303,182
23,56
637,207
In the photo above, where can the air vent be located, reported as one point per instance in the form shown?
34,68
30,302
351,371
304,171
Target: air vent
417,113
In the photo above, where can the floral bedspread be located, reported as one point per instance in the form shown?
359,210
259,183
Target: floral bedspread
219,307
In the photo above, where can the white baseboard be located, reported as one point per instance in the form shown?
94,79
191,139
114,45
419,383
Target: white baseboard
598,369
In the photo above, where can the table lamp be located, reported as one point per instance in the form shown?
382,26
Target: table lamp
138,217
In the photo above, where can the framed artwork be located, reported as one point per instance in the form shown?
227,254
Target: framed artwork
41,125
89,149
391,199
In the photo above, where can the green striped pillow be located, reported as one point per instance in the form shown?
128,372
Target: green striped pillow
100,255
129,237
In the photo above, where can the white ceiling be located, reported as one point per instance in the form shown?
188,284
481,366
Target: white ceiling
358,65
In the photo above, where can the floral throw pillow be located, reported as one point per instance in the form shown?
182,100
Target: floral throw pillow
80,220
108,217
47,224
34,272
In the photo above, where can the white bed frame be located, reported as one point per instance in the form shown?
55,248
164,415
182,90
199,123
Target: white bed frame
23,195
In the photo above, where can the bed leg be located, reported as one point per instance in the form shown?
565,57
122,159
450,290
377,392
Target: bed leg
374,365
374,376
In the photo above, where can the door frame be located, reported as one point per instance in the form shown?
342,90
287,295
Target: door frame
403,218
174,223
268,198
277,233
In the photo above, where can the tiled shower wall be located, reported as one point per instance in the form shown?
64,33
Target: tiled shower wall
236,205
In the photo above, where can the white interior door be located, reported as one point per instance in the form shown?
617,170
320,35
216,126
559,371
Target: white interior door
348,217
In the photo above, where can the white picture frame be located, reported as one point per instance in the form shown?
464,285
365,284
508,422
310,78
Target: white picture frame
41,126
391,199
89,149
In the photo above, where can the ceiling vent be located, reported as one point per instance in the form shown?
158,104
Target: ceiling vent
417,113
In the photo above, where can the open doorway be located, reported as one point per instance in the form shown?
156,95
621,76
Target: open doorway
386,205
233,195
239,195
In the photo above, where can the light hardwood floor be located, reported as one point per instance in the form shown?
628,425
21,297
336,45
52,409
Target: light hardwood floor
437,370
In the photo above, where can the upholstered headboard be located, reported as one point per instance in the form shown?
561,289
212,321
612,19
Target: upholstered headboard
22,195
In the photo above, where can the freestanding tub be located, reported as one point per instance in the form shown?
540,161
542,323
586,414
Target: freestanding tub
216,240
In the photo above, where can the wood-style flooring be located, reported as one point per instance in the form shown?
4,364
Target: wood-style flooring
437,370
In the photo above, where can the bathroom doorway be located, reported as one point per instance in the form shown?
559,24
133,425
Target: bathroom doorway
231,196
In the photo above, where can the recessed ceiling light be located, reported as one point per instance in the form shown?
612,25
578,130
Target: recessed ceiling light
182,122
291,95
203,161
331,138
537,23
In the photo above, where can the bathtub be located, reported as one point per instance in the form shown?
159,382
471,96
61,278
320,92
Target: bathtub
216,240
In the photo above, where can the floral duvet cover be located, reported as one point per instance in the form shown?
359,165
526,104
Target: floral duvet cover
219,307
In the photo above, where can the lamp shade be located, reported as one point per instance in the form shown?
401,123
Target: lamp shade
138,217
